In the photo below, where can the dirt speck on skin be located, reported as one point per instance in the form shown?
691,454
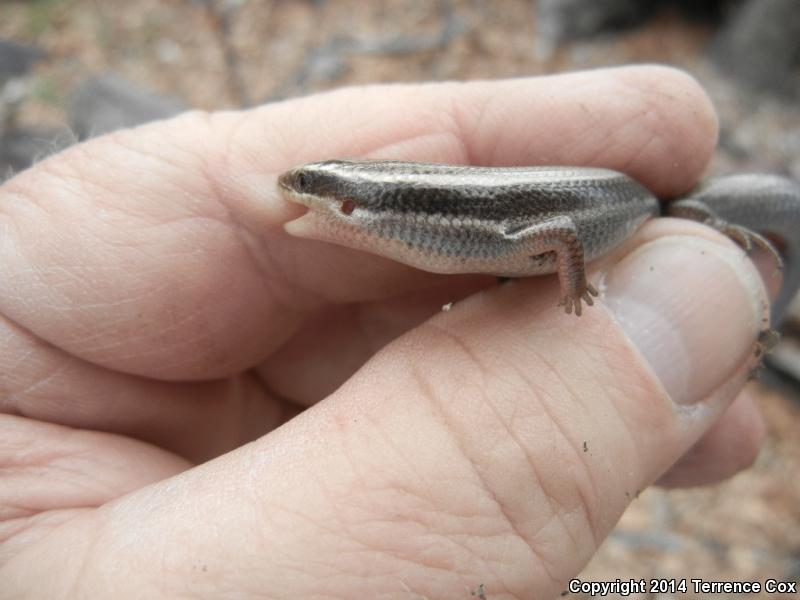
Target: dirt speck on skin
480,592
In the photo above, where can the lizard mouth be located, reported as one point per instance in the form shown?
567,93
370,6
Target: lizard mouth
325,217
311,201
321,218
324,224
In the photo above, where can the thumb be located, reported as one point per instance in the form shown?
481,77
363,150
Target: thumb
489,450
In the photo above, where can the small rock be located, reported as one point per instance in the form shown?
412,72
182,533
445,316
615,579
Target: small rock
562,20
760,46
20,147
107,103
17,59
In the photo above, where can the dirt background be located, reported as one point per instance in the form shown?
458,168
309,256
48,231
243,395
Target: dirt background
214,55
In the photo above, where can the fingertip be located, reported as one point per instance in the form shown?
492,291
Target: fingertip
682,123
653,122
691,306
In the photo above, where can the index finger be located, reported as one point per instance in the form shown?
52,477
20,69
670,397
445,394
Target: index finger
160,250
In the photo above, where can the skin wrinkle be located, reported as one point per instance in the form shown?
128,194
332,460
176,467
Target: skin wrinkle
8,399
54,452
654,139
76,455
628,431
606,150
35,344
423,559
429,391
16,520
94,153
585,503
411,140
216,192
664,114
576,147
363,545
320,124
428,123
458,124
85,183
189,318
549,569
318,524
58,171
446,533
280,142
50,474
573,136
275,269
579,459
446,528
386,440
80,574
345,101
181,156
174,323
476,145
579,455
551,501
16,398
443,153
122,139
40,453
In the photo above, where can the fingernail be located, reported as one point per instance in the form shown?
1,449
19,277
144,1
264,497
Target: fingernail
694,309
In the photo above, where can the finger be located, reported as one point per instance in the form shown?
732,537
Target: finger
337,340
730,446
160,252
489,448
50,474
196,420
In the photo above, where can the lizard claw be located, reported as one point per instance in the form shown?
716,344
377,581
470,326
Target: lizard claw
747,239
570,302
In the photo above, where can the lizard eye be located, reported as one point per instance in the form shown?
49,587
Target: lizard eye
302,181
347,207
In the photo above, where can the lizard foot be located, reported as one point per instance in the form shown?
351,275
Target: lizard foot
570,302
747,239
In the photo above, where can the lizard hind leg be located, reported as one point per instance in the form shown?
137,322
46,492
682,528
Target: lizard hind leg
700,211
559,235
747,238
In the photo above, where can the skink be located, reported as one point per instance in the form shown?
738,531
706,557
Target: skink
514,222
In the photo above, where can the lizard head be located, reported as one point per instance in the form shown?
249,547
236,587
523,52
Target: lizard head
340,207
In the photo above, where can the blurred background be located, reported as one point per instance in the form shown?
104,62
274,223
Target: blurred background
71,69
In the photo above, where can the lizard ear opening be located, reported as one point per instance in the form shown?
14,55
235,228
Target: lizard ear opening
347,207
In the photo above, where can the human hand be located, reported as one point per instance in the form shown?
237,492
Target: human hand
156,315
